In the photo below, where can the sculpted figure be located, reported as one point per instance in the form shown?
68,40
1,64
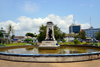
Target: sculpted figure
50,33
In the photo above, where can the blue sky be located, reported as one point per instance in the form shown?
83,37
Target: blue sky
37,12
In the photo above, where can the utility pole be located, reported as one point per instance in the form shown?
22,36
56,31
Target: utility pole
90,20
90,26
74,20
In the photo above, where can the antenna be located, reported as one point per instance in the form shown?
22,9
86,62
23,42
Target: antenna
90,27
90,21
74,20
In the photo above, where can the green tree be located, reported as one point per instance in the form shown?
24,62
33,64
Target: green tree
42,33
1,34
58,34
10,29
76,41
30,34
63,35
64,40
97,36
81,35
12,37
28,40
35,35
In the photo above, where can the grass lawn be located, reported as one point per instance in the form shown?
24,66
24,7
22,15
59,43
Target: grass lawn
72,43
96,43
65,43
15,44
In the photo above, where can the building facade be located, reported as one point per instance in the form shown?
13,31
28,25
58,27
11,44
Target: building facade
22,38
18,38
74,28
91,32
70,37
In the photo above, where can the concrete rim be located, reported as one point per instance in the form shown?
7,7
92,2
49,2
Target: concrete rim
11,56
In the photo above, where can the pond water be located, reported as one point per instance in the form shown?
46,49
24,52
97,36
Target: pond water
61,50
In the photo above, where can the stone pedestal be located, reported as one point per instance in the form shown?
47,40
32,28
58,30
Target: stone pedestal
49,45
49,42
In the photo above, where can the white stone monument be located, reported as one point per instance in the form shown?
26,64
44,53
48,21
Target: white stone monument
49,42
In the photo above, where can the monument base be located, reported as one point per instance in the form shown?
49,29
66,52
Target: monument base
49,45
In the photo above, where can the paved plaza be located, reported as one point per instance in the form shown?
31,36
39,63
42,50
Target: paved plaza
93,63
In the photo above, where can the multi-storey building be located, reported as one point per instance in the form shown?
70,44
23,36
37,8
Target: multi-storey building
91,32
74,28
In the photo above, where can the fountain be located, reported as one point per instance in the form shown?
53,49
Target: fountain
49,51
49,42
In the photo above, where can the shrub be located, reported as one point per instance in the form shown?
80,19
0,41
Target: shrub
76,41
32,43
60,43
71,43
65,43
64,40
68,43
28,40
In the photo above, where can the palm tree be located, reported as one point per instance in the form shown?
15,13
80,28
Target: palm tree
10,29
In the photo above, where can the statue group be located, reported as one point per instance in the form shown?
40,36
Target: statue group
50,34
49,42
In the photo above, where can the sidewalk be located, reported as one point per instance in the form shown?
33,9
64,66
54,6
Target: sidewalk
93,63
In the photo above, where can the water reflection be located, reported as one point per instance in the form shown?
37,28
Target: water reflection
28,49
61,50
36,50
49,51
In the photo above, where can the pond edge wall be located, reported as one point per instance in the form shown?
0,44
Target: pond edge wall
50,57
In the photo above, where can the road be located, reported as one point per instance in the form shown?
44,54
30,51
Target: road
93,63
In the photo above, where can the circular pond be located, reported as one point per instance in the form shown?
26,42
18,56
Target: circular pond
61,50
65,53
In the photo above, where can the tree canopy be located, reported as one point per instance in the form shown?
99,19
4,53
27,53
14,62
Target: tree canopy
97,36
28,40
10,29
58,34
42,33
12,37
81,35
1,34
30,34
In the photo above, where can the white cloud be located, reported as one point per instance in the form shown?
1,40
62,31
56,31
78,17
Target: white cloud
85,26
5,24
27,24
